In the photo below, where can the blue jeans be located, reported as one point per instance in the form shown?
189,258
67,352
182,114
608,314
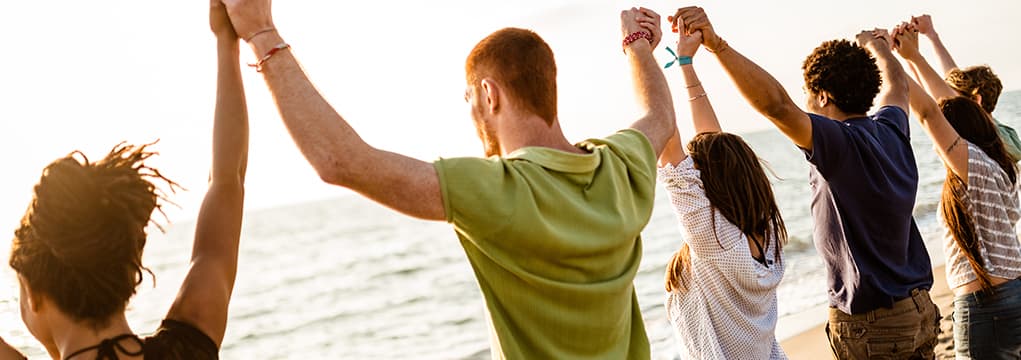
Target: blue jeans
988,326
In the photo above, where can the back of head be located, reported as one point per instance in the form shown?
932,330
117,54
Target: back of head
736,185
521,62
80,242
975,125
847,72
977,80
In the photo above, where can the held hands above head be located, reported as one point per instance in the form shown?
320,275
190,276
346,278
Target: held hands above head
636,20
906,41
687,43
250,17
923,24
690,19
219,22
874,39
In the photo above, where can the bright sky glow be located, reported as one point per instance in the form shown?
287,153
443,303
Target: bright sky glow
87,75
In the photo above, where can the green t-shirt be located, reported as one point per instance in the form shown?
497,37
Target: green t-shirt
1010,140
554,239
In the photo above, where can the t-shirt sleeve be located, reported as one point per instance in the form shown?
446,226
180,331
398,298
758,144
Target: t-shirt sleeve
830,144
477,194
1010,140
896,117
180,340
636,151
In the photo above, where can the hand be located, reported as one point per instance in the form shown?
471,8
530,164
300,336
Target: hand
219,22
649,20
923,24
250,17
687,44
907,42
693,19
876,38
629,23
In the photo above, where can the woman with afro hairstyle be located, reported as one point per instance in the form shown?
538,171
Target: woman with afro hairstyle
78,250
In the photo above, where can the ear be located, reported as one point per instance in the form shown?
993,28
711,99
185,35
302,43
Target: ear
822,98
492,93
977,97
33,298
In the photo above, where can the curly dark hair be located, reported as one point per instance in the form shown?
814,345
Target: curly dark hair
80,242
847,72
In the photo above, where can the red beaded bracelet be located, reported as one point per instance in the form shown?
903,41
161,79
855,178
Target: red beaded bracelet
258,64
635,36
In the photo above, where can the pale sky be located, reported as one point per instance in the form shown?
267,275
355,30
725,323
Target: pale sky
87,75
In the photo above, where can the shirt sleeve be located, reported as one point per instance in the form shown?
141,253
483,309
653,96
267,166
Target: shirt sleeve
636,150
896,117
1010,140
706,231
830,144
477,194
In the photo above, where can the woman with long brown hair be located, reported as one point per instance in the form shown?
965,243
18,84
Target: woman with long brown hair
979,209
722,282
78,250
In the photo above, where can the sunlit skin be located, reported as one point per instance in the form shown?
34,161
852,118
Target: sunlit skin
204,296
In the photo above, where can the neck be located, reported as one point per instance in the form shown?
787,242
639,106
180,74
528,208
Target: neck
834,113
70,336
530,130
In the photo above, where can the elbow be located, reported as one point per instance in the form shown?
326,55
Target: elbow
332,172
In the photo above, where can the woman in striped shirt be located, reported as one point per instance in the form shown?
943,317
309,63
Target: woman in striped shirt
722,282
979,209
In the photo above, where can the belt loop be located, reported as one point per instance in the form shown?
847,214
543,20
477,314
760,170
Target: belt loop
916,297
870,316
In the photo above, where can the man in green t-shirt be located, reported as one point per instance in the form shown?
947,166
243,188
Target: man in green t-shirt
550,228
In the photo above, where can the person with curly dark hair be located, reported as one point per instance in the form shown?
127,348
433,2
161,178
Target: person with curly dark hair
78,249
864,180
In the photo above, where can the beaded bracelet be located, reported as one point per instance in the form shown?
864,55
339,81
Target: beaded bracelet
634,37
258,64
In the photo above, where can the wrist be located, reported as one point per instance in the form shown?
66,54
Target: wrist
263,43
638,47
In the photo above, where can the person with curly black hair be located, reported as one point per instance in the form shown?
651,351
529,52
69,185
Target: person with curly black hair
864,180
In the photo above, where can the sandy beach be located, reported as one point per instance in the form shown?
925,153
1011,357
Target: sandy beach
806,339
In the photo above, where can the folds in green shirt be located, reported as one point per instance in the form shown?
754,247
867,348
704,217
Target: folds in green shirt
553,238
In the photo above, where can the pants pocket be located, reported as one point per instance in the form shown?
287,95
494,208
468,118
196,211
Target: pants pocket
891,348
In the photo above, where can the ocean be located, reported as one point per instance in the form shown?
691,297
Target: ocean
345,278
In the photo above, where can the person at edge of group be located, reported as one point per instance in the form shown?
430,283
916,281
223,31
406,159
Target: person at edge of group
78,250
976,82
979,210
864,179
721,284
550,228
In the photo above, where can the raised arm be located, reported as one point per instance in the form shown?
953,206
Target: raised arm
702,115
924,26
327,141
949,145
651,89
894,91
205,294
907,47
757,86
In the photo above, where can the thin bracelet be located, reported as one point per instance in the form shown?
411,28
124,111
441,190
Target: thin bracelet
258,64
696,97
266,30
723,46
694,85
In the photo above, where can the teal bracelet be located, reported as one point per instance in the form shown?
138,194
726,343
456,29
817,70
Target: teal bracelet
679,60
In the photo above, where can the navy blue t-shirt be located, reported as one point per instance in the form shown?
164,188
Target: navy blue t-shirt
863,182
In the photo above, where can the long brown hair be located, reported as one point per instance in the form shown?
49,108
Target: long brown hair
80,242
736,184
976,126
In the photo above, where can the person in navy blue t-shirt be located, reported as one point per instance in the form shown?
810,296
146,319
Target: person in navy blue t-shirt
863,179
